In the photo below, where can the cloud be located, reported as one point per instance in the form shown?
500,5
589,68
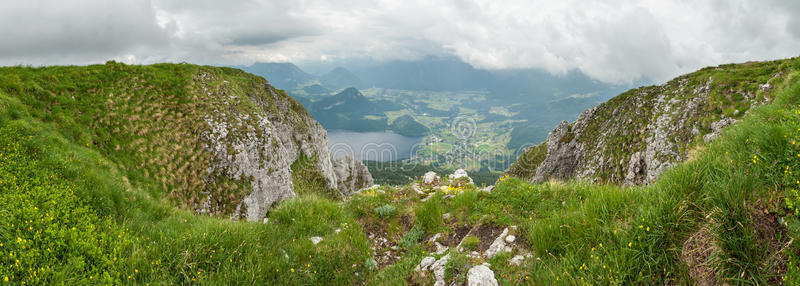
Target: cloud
44,31
613,41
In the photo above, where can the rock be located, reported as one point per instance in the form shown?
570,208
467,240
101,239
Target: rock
266,220
437,266
637,169
488,189
498,245
425,263
516,260
510,238
440,249
765,86
315,239
460,173
417,189
351,175
653,125
481,276
446,216
435,237
438,270
716,129
259,145
430,178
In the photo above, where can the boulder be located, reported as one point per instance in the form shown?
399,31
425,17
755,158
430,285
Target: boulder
430,178
460,173
481,275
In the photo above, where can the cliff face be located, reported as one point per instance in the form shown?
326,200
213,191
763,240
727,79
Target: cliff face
215,140
634,137
266,139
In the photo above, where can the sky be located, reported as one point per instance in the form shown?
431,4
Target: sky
613,41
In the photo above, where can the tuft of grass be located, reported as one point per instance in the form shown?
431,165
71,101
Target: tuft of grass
385,211
471,242
429,213
411,238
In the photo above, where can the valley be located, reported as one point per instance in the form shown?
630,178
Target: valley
466,118
107,178
394,143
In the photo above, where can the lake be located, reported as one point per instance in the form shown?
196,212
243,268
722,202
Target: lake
377,146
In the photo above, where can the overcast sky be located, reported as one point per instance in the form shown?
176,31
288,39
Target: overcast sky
612,41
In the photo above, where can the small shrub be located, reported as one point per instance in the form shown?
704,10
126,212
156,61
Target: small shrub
471,242
411,237
385,211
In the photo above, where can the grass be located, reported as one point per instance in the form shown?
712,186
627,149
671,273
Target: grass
127,230
624,122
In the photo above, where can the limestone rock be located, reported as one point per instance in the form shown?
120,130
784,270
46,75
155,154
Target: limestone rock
262,145
716,129
351,175
498,246
460,173
516,260
481,275
438,270
425,263
430,178
440,249
436,266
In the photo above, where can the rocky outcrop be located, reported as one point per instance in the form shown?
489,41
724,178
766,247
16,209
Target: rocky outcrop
636,136
256,138
212,139
351,175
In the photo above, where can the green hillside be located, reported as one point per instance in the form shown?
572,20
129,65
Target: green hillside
84,202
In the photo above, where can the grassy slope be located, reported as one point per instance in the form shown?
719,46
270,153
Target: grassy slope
581,232
621,121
